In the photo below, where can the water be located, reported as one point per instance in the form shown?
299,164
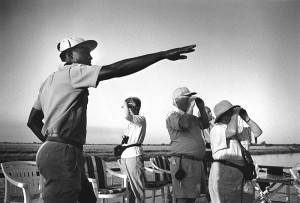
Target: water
277,159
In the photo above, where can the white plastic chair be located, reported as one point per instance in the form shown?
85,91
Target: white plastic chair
23,182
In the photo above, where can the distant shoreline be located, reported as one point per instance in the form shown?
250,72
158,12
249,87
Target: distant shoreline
23,151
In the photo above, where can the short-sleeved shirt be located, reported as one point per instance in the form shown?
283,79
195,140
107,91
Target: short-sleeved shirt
63,99
189,142
228,149
136,132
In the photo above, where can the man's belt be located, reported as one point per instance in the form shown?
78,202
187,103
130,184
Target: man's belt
187,157
65,141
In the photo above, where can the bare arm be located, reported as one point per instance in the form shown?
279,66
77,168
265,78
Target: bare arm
133,65
35,123
253,126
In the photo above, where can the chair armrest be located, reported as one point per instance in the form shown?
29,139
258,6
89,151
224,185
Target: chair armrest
165,171
94,184
296,178
158,168
92,180
120,175
153,164
293,174
16,183
152,170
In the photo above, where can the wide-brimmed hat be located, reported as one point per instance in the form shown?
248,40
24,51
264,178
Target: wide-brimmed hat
72,42
182,91
222,107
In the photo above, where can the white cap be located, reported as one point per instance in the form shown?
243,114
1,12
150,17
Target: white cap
182,91
71,42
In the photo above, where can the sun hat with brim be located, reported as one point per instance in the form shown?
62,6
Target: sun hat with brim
182,91
222,107
72,42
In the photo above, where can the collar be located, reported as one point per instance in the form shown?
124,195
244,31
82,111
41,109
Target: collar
64,65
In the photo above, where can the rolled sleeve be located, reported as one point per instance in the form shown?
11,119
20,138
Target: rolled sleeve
138,120
173,121
37,104
83,76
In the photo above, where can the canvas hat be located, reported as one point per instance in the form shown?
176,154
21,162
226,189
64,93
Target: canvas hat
182,91
222,107
71,42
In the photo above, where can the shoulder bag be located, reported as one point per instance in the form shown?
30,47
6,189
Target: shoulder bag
249,168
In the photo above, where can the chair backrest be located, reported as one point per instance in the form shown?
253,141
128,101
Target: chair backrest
163,163
23,171
95,167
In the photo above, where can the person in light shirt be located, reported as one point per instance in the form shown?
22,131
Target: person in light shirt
226,183
132,160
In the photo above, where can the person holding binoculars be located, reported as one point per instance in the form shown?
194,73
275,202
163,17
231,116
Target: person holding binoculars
227,183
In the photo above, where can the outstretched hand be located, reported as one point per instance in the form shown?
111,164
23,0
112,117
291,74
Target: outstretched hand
175,54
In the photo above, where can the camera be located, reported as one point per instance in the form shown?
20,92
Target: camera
125,139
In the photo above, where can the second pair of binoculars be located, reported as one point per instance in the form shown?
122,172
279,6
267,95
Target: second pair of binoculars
241,111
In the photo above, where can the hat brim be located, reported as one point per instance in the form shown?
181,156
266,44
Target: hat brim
189,94
217,118
90,44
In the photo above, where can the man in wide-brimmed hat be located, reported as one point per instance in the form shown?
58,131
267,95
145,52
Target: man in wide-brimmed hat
58,117
227,183
187,145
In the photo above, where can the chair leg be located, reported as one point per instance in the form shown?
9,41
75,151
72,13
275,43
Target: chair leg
288,194
153,196
167,193
26,194
163,199
173,196
6,194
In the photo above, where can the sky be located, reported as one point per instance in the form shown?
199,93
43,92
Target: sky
247,52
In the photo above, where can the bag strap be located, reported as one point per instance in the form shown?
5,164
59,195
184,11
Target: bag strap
239,141
228,163
180,161
132,145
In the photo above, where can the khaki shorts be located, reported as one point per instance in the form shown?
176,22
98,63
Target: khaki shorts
193,184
